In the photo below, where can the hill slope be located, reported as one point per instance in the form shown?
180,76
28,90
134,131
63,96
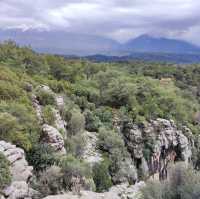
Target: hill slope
146,43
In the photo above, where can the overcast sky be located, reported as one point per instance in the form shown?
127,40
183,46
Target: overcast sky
117,19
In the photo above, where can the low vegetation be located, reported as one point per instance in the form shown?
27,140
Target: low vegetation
96,96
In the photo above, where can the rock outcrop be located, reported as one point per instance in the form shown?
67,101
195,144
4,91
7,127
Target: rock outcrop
91,154
60,124
163,140
123,191
38,108
21,172
52,137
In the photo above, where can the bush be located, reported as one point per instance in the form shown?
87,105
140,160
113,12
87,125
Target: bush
92,122
75,145
105,115
110,140
72,167
48,115
77,123
45,98
101,176
183,183
41,156
9,91
5,175
50,181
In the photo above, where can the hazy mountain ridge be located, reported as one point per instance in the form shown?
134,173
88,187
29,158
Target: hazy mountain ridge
61,42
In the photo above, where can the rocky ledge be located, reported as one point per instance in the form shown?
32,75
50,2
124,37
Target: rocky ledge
21,172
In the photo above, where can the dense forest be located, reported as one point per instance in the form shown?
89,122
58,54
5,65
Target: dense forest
97,97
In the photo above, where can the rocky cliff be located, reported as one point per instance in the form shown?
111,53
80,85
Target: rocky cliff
20,170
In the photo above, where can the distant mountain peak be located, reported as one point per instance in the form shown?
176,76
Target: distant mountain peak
147,43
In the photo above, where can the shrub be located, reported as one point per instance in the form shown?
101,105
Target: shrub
183,183
45,97
92,122
109,140
48,115
8,124
72,167
5,175
75,145
50,181
77,123
9,91
41,156
105,115
101,176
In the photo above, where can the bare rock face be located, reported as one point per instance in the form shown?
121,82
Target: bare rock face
91,154
165,141
60,101
21,172
123,191
59,122
52,137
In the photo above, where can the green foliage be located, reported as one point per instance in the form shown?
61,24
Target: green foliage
45,97
92,122
72,167
109,140
5,175
48,115
183,183
75,145
50,181
105,115
101,176
76,123
41,156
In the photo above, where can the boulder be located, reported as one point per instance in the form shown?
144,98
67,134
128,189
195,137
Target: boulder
59,122
52,137
20,170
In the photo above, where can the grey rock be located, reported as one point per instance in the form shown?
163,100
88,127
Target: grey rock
91,154
52,137
21,172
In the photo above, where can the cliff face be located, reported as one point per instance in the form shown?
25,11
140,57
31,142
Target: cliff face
156,144
20,170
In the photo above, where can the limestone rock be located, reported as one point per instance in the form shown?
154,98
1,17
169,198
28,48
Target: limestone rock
59,122
91,154
21,172
163,137
53,137
38,108
60,102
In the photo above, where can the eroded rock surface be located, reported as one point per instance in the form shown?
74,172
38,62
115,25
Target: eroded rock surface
91,154
52,137
163,140
20,170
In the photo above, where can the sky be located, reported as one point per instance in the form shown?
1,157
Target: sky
117,19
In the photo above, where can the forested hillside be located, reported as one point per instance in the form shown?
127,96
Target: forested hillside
105,119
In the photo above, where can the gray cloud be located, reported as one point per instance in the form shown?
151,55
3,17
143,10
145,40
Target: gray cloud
118,19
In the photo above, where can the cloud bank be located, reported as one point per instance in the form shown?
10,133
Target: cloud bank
117,19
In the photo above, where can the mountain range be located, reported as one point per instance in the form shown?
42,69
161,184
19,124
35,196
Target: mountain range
65,43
